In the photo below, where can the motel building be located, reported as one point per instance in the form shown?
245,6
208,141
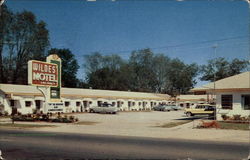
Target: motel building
28,99
232,95
187,101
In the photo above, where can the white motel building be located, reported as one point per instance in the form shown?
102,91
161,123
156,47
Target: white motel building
232,95
28,99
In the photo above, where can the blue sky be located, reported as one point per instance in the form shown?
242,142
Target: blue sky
125,25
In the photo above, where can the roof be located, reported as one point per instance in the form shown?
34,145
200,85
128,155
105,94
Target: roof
236,82
191,97
82,93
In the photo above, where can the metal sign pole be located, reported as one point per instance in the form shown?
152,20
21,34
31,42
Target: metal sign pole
45,97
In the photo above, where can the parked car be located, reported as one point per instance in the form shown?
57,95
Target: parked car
176,108
200,109
104,108
162,108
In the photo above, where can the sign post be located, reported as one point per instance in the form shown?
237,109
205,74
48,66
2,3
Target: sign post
47,77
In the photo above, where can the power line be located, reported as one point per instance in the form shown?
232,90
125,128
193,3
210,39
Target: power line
176,46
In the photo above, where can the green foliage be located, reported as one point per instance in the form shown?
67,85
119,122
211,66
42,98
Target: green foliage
106,72
144,71
69,66
220,68
22,38
237,117
224,117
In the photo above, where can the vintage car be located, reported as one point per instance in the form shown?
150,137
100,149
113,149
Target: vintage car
162,108
201,109
104,108
176,108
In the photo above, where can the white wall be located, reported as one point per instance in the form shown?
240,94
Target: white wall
20,103
237,106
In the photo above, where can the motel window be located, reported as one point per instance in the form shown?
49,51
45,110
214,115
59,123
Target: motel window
129,103
78,104
139,103
90,102
12,103
119,103
99,103
133,103
151,104
66,103
27,103
227,101
245,102
154,103
113,103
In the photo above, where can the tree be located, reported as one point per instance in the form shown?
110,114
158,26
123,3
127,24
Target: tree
69,67
25,39
144,71
220,68
93,62
181,77
6,17
143,75
161,66
106,72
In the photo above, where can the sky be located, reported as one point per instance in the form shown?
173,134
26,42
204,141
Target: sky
187,30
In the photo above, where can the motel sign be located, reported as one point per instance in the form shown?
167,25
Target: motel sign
47,77
43,74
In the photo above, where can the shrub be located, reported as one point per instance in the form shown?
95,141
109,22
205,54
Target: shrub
45,117
50,114
237,117
72,118
243,119
224,117
76,119
6,113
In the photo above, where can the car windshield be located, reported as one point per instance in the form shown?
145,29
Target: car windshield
106,105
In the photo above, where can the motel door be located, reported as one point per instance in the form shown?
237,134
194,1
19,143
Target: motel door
13,107
38,104
85,105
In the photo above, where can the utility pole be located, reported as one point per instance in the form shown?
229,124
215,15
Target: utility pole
214,79
248,2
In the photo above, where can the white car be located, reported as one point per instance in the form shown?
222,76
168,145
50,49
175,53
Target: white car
104,108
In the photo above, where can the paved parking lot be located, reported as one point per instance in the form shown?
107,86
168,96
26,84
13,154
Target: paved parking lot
143,124
133,118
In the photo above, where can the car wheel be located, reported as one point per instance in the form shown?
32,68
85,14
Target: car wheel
91,111
189,114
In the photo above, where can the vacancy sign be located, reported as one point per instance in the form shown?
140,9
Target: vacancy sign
42,73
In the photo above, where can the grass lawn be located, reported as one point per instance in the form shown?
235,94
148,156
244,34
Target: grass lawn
15,125
173,124
235,126
86,123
